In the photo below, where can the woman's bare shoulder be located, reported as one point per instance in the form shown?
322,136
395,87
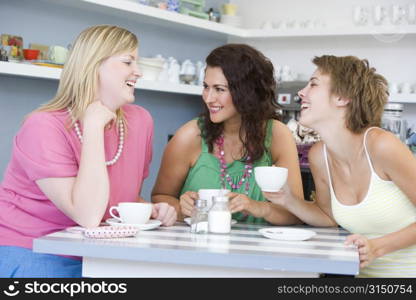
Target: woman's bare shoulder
280,131
188,136
382,145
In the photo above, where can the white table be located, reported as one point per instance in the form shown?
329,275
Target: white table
175,252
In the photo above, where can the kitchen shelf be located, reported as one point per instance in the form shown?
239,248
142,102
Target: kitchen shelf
33,71
386,31
133,10
403,98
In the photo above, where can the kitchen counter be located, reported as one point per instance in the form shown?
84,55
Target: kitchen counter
175,252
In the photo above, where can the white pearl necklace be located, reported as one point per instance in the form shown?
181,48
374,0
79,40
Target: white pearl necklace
120,142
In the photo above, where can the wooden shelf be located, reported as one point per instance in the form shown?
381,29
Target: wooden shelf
33,71
135,11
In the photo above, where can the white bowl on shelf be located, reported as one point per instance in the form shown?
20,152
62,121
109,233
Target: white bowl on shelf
150,67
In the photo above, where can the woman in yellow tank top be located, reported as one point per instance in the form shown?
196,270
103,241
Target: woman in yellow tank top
364,176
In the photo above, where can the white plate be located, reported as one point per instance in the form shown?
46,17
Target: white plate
151,224
188,221
287,234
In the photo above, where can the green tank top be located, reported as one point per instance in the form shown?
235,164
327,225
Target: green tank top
205,174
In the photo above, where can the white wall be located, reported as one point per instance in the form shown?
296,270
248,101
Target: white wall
394,56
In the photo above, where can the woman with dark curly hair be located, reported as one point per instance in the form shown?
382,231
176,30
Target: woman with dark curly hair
237,131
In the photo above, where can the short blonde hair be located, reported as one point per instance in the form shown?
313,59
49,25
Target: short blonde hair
352,78
79,77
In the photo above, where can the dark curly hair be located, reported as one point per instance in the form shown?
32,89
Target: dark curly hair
251,81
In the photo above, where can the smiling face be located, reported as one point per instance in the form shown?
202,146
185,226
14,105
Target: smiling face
318,103
217,96
117,77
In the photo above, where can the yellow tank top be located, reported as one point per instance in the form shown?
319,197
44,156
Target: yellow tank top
385,209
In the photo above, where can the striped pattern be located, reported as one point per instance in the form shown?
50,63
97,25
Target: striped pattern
243,247
384,210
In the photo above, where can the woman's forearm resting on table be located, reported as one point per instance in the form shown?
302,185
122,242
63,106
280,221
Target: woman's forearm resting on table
310,213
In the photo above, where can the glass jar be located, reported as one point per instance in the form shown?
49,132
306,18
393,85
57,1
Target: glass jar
199,217
392,120
219,216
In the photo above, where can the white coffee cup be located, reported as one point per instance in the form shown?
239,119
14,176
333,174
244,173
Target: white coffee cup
393,88
270,179
411,14
132,212
207,194
379,14
58,54
268,25
406,88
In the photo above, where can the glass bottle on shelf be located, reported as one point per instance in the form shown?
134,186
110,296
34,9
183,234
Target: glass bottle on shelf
219,216
393,122
199,217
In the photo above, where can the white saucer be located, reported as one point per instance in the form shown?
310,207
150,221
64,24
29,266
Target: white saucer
188,221
151,224
287,234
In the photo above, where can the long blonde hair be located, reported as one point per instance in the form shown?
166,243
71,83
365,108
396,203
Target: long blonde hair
79,77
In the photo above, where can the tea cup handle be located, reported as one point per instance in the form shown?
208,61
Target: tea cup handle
113,215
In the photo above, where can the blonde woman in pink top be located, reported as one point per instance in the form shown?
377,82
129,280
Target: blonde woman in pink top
74,157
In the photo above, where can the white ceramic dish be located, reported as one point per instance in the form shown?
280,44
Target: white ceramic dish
287,234
150,72
188,221
151,224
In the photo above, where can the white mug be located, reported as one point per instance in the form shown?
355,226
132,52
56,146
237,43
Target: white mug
58,54
268,25
132,212
397,14
270,179
411,13
393,88
360,15
379,14
406,88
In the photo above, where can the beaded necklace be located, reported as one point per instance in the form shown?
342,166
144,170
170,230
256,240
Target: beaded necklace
120,142
225,177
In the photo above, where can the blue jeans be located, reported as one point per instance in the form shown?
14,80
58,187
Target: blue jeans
22,262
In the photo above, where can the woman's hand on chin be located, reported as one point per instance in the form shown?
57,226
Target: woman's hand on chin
97,113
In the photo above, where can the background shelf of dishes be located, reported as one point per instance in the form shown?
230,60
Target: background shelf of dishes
155,68
12,49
